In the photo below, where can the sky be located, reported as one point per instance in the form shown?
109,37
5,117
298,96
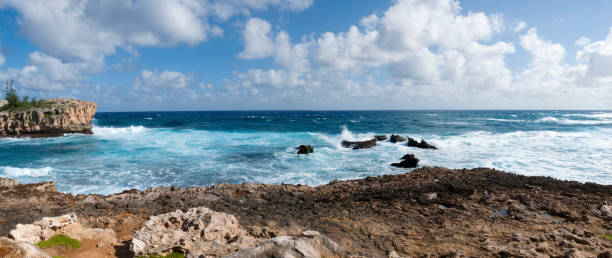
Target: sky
156,55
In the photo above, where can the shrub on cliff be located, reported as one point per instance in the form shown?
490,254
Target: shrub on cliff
15,104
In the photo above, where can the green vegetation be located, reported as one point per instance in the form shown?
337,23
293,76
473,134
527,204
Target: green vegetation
58,257
608,237
174,254
60,240
15,104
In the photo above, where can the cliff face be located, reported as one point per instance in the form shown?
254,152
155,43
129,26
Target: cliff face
58,116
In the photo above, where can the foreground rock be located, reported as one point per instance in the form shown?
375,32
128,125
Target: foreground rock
396,138
430,211
68,225
359,144
18,249
408,161
310,244
305,149
197,232
7,182
423,144
57,117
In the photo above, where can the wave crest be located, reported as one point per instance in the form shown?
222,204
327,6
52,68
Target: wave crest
118,130
34,172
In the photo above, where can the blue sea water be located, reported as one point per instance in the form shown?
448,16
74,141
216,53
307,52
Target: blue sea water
148,149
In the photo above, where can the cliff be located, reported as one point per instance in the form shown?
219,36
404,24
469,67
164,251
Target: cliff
54,118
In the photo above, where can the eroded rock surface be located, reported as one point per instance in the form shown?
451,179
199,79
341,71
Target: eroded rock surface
196,232
359,144
396,138
7,182
408,161
18,249
67,224
57,117
310,244
423,144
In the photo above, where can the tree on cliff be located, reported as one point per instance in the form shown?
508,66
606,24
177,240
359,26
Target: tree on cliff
11,93
13,100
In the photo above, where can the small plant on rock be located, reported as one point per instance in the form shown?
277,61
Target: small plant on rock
60,240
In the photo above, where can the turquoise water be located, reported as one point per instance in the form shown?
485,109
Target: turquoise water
148,149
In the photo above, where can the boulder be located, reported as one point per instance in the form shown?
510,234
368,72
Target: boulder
196,232
66,224
359,144
309,244
305,149
408,161
19,249
423,144
380,137
396,138
7,182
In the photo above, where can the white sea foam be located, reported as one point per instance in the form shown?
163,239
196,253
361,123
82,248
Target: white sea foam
564,121
506,120
118,130
592,115
32,172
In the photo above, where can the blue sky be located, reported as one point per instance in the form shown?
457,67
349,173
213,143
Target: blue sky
311,54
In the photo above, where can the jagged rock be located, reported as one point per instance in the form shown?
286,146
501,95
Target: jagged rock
380,137
408,161
423,144
19,249
7,182
199,231
59,116
396,138
305,149
309,244
359,144
606,212
66,224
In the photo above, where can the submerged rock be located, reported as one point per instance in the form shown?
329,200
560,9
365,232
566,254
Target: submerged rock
423,144
55,118
66,224
196,232
396,138
305,149
359,144
380,137
408,161
19,249
309,244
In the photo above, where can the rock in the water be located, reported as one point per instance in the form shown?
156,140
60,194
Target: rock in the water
380,137
58,116
360,144
197,232
68,225
7,182
396,138
19,249
309,244
423,144
408,161
305,149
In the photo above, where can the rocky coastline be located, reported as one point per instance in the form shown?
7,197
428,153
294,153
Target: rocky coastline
55,118
429,212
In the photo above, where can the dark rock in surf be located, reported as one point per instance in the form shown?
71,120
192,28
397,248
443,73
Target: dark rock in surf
396,138
305,149
423,144
408,161
360,144
380,137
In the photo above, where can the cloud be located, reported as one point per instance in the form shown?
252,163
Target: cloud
150,81
519,26
258,43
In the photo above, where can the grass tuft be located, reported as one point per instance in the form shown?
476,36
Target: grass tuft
608,237
60,240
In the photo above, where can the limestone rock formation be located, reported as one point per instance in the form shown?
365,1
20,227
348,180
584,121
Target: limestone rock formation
7,182
359,144
305,149
66,224
196,232
58,116
19,249
309,244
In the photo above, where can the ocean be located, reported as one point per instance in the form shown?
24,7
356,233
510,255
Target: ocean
149,149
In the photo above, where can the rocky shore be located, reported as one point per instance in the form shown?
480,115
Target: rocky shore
55,118
431,211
